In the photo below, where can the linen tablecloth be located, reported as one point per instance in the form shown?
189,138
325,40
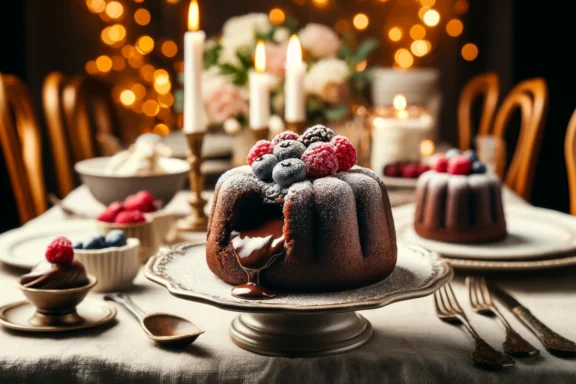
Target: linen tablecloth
410,344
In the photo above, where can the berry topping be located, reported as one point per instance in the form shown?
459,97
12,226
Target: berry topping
345,152
263,166
78,245
410,171
115,238
289,149
288,172
95,242
321,160
261,148
459,165
130,217
440,163
478,167
316,133
142,201
60,251
110,213
422,168
471,155
452,152
286,135
392,170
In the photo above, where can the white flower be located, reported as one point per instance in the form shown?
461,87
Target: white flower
232,126
326,72
320,40
239,32
281,35
276,124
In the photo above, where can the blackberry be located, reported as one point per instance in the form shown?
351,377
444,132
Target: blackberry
288,172
289,149
263,166
316,133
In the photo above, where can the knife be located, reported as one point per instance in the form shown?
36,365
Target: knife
550,339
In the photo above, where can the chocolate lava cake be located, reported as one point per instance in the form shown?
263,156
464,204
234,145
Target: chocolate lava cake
338,229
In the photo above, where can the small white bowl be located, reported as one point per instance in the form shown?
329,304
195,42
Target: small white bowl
115,268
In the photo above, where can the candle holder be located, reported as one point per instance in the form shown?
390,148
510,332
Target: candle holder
298,127
261,133
196,221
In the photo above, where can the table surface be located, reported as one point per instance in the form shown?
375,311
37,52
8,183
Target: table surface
410,343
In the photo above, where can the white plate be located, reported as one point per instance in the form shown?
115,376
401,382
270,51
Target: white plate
24,247
532,233
399,182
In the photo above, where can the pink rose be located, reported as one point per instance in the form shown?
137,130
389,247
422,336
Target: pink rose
319,40
225,101
276,59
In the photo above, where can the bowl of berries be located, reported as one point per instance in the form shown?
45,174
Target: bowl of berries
113,259
403,174
134,216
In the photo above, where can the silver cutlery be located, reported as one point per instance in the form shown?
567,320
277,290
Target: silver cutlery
481,302
448,309
55,201
550,339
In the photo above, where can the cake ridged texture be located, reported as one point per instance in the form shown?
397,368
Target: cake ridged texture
459,209
339,231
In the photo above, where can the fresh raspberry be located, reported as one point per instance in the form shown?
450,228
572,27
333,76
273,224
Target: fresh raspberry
142,201
60,251
440,163
423,168
392,170
321,160
261,148
130,217
286,135
110,213
459,165
410,171
316,133
345,152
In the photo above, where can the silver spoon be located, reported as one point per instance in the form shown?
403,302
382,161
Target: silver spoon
163,328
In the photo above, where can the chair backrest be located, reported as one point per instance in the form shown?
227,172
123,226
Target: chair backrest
570,154
531,98
487,86
21,142
82,122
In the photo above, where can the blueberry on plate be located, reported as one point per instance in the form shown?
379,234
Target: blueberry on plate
78,245
289,149
96,242
478,167
471,155
288,172
116,238
263,166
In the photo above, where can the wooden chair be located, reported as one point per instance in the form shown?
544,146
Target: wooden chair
487,86
21,142
82,122
531,98
570,154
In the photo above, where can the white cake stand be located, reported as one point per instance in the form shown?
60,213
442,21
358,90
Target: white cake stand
292,324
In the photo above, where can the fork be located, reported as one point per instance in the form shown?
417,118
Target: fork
448,309
481,302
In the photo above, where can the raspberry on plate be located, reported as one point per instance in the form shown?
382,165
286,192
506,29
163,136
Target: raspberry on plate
141,201
459,165
392,170
130,217
285,135
110,213
440,163
60,251
410,171
321,160
261,148
345,152
423,168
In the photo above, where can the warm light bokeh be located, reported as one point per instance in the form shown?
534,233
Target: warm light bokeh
169,48
127,97
145,44
461,7
419,48
427,148
431,18
114,10
417,32
469,52
427,3
320,3
260,57
193,16
96,6
142,16
395,34
399,102
104,63
139,91
361,66
454,28
161,129
294,52
277,16
404,58
150,108
361,21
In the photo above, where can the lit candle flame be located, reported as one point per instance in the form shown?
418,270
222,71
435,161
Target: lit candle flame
193,16
294,53
399,103
260,57
427,148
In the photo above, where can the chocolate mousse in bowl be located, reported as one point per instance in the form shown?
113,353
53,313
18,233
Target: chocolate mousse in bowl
57,285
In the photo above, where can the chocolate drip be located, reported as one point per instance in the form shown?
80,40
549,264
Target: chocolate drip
55,276
256,250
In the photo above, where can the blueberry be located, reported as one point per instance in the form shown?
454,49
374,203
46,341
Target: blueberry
471,155
478,167
116,238
288,172
78,245
289,149
452,152
96,242
263,166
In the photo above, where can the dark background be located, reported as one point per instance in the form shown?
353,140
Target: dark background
518,39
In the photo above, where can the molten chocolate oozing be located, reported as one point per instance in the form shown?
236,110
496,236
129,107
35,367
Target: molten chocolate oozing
56,276
256,249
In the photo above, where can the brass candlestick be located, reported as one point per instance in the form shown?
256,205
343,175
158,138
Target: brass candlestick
298,127
261,133
196,221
